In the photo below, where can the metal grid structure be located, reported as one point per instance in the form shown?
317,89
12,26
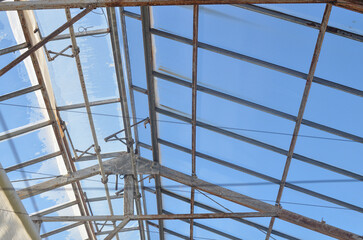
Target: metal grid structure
134,164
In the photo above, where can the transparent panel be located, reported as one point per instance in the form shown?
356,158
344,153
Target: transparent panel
136,49
341,61
348,20
330,149
335,109
244,121
240,153
319,210
174,96
22,111
236,181
250,82
258,36
173,57
174,19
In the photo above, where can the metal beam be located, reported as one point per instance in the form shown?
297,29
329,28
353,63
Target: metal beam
149,67
211,209
300,115
34,48
62,229
256,204
69,204
83,34
33,161
194,109
20,92
82,105
118,228
13,48
114,166
25,130
93,157
261,144
54,4
205,227
168,216
122,230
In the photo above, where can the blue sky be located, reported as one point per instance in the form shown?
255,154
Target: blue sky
253,34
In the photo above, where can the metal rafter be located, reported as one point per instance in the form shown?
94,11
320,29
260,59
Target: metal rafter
75,51
355,5
194,107
149,65
132,102
133,188
215,210
300,115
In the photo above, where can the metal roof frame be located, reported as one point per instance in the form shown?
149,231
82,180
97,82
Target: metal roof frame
134,188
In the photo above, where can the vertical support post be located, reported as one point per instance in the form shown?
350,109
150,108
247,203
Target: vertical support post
149,65
300,115
128,195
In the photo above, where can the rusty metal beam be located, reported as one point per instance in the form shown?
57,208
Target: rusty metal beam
154,217
300,115
40,44
354,5
226,194
149,67
13,48
19,92
194,109
211,209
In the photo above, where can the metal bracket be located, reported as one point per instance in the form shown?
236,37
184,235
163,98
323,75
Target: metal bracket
113,137
61,53
85,152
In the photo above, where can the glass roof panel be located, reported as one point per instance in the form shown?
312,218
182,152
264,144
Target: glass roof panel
335,109
265,37
174,19
240,153
244,120
249,81
341,61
